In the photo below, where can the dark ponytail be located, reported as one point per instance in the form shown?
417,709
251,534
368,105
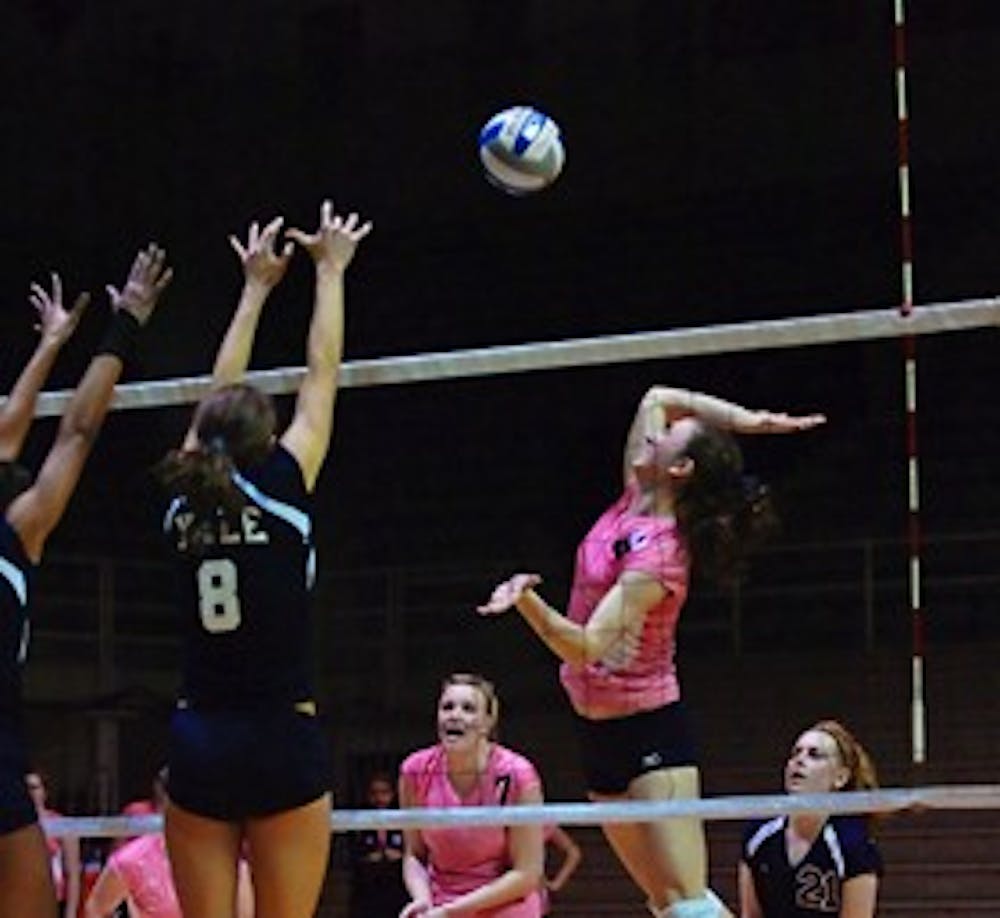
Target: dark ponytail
204,477
235,430
723,514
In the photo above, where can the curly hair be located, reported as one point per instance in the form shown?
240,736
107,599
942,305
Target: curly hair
723,514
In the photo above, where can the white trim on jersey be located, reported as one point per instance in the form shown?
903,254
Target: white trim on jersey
15,577
172,510
764,833
295,518
833,845
292,515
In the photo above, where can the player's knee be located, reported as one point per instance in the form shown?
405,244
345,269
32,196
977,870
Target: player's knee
705,906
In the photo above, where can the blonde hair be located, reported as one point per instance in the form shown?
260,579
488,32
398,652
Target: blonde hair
486,689
862,775
854,756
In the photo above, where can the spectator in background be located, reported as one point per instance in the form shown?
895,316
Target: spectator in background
376,859
64,853
810,864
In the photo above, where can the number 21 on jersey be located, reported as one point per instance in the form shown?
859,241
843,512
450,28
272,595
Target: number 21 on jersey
218,595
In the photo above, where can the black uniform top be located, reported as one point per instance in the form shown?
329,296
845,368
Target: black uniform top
842,850
17,576
244,591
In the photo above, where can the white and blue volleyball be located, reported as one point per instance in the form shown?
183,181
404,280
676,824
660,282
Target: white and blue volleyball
521,149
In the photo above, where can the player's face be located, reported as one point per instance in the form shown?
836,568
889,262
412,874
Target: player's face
814,765
659,456
462,717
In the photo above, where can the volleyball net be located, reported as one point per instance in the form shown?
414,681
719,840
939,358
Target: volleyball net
741,807
710,341
832,328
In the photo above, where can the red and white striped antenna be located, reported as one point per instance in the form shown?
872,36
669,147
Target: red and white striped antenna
914,535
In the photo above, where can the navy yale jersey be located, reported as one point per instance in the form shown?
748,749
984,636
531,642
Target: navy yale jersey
16,576
244,592
842,850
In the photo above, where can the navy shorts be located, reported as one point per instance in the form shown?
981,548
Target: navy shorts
620,749
233,765
16,807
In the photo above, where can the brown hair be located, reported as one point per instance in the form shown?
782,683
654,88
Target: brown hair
722,514
486,689
235,428
853,755
855,758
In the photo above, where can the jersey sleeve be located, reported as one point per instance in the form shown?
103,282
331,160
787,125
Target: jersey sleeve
282,474
655,549
525,777
862,855
415,771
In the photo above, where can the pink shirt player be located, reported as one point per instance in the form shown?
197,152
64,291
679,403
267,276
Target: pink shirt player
637,673
143,867
485,871
464,858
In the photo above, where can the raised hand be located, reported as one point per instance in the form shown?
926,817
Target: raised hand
506,595
147,279
332,245
779,422
55,323
262,264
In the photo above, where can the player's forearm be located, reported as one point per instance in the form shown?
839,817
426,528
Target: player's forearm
19,409
326,330
89,405
234,353
565,638
671,403
509,887
415,879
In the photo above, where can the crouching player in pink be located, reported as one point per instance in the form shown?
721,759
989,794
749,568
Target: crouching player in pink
474,871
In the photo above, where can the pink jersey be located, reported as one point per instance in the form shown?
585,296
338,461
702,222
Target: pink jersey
462,859
144,868
54,847
637,673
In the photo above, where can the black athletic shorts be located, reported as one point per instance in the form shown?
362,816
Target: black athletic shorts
617,750
16,807
233,765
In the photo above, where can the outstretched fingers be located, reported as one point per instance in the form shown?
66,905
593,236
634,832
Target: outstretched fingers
506,594
54,321
334,241
147,279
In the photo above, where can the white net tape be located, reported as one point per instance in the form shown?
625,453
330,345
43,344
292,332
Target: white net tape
889,800
548,355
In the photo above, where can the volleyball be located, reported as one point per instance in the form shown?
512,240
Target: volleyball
521,150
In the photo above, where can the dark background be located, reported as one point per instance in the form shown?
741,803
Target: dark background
725,162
